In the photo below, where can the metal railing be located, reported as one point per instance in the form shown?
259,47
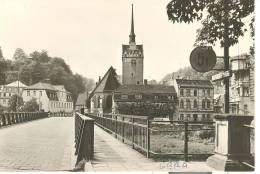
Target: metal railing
60,114
147,135
7,119
84,137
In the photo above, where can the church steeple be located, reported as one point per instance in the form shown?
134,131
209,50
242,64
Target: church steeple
132,33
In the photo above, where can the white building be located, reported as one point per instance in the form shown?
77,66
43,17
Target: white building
6,91
51,98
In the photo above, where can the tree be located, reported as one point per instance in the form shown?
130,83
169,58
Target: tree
31,106
1,54
217,15
15,103
19,54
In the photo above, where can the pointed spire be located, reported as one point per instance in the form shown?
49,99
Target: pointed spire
132,33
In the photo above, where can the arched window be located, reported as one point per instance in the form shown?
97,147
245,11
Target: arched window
208,103
181,104
182,117
188,103
195,92
203,104
195,104
208,91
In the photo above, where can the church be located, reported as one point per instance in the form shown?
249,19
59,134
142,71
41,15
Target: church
133,95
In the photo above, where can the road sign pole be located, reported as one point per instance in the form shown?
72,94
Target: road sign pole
226,57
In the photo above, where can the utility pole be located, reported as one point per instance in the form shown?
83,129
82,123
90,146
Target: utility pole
226,56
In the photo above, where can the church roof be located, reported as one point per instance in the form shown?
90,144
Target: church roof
108,83
194,83
145,89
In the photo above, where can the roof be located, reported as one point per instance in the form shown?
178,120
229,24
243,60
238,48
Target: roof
155,89
194,83
41,85
240,57
81,100
108,83
15,84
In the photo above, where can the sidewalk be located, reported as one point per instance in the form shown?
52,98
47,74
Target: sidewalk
112,155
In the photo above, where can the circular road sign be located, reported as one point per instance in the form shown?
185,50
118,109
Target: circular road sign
203,59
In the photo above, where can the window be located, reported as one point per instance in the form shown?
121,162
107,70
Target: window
188,117
188,92
195,117
28,93
195,104
203,104
34,93
4,94
181,104
208,103
10,94
203,91
156,97
245,109
188,103
138,96
181,117
124,97
40,93
181,92
4,101
208,117
195,92
238,91
133,62
170,97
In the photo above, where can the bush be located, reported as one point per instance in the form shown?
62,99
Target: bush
207,134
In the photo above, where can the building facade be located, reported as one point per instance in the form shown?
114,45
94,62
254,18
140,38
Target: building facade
51,98
100,99
195,99
149,100
7,91
132,59
242,85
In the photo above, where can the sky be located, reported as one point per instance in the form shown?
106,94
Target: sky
88,34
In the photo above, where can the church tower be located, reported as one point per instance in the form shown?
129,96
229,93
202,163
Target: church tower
132,59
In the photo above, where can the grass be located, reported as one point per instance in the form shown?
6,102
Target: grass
173,142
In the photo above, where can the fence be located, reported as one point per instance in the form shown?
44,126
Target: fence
20,117
84,137
60,114
145,135
251,162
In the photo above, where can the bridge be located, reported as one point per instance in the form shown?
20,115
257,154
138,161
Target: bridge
48,144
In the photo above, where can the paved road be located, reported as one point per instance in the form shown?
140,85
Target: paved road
112,155
46,144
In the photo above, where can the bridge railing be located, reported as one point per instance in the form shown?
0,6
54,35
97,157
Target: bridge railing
84,137
60,114
160,139
7,119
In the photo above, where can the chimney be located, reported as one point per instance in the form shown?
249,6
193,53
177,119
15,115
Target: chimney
145,82
99,79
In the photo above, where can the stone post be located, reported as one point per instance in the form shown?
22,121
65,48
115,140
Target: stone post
232,143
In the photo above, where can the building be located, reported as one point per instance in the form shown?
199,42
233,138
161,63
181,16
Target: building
195,99
6,91
51,98
149,100
100,99
242,85
81,102
132,60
